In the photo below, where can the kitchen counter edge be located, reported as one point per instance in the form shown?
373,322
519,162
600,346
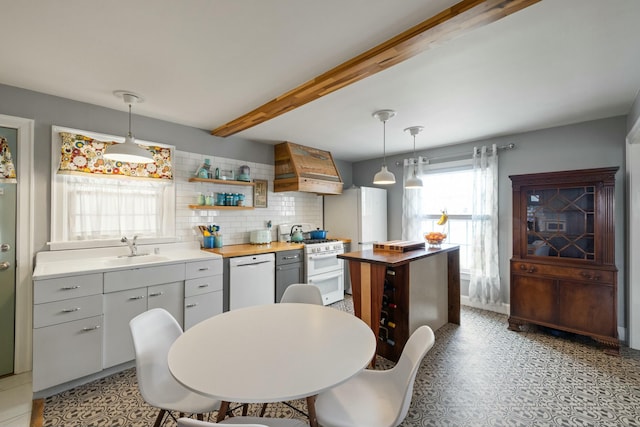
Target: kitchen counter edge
231,251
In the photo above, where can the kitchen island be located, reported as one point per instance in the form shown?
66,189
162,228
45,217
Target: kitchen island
396,292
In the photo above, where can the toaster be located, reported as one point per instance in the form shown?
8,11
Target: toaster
260,237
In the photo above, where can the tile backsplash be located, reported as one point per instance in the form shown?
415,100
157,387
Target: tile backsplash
235,225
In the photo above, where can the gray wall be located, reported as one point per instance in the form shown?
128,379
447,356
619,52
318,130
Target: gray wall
598,143
49,110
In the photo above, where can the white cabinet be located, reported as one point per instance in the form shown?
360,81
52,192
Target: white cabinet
67,335
202,291
131,292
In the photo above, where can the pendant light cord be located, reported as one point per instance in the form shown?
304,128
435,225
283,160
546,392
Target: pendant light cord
130,119
384,143
415,158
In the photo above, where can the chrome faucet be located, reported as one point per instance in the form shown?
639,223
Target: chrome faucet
132,245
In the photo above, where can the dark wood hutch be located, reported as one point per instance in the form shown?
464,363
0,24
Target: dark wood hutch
563,272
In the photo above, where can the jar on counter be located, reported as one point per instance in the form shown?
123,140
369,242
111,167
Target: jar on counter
201,199
228,199
209,199
221,199
241,199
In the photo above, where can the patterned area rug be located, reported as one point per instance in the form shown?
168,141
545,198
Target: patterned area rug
477,374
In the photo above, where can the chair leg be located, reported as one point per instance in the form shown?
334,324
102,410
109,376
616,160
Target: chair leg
245,409
200,417
264,409
159,418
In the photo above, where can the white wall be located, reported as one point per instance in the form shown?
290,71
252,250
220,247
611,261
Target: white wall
633,223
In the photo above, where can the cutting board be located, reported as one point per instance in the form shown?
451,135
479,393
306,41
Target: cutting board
398,246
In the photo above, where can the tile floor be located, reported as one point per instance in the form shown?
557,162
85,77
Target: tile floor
15,400
477,374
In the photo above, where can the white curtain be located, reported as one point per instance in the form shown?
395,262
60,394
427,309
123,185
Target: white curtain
484,286
101,208
412,200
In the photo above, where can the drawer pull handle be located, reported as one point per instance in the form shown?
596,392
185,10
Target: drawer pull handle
290,257
70,288
192,305
71,310
156,294
204,285
137,297
93,328
523,267
531,269
203,268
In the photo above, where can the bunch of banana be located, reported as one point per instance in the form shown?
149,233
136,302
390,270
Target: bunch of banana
443,218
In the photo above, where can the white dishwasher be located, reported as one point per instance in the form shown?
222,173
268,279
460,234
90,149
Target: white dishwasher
252,280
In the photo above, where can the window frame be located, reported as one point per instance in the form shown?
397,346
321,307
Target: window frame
58,209
444,167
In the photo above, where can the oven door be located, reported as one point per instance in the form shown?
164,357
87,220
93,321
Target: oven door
322,263
331,286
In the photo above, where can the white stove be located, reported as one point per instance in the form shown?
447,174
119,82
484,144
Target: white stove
321,265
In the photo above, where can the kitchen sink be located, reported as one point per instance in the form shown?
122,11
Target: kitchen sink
133,260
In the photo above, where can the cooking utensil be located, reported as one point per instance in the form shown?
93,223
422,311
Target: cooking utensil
296,234
318,234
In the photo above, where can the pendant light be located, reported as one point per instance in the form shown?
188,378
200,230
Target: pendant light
384,177
129,151
414,181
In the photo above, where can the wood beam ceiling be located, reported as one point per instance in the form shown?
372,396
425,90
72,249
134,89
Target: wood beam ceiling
459,19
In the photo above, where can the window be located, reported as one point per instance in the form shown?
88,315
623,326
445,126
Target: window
93,210
448,187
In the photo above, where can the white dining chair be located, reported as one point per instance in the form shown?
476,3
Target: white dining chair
376,398
153,333
302,293
244,422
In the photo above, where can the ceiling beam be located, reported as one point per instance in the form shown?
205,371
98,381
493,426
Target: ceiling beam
455,21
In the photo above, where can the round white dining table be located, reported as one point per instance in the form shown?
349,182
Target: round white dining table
272,353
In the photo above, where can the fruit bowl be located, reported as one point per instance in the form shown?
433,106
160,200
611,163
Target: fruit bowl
434,238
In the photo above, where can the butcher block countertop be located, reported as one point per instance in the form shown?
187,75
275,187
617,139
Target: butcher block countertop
390,258
249,249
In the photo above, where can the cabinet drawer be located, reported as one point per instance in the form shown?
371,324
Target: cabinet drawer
48,290
142,276
66,352
67,310
202,285
288,257
201,307
209,267
563,272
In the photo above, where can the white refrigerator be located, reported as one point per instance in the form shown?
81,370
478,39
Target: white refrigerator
359,214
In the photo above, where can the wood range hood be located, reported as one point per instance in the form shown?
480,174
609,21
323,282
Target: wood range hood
300,168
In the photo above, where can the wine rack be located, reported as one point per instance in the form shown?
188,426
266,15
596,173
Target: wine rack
393,331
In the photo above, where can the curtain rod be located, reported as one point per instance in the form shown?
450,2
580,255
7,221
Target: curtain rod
466,153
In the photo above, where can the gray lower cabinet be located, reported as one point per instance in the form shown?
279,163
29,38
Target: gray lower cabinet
122,306
81,322
67,329
202,291
289,270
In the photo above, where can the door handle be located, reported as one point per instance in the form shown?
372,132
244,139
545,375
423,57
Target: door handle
5,265
5,247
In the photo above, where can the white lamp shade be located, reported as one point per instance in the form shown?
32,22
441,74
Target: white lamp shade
128,152
384,177
413,182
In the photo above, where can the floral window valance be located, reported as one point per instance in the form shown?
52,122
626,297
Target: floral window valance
7,169
82,154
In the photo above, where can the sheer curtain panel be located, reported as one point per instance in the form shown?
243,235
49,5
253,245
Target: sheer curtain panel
484,285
